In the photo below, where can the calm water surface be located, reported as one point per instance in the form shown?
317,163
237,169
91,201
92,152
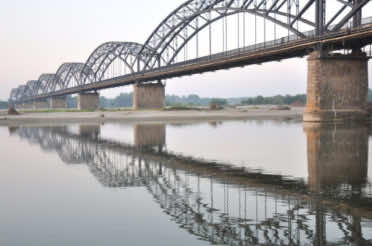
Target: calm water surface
220,183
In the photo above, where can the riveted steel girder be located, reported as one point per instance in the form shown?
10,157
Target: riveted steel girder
101,58
192,16
173,34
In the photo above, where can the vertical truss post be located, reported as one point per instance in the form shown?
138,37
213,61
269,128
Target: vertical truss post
238,27
265,7
255,24
289,4
226,34
197,37
357,19
223,34
243,28
275,27
297,13
159,62
320,16
210,33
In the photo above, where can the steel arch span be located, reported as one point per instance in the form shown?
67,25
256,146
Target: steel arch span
32,87
185,22
301,20
133,55
48,83
71,74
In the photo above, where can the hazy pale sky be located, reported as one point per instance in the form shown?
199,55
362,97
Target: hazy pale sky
38,36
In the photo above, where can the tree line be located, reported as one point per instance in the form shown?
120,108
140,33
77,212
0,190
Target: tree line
276,100
125,100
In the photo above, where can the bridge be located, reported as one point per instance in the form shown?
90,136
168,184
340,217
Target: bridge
256,208
333,34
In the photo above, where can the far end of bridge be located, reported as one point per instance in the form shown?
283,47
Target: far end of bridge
148,96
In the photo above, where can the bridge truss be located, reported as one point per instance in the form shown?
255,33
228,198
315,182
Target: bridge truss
204,28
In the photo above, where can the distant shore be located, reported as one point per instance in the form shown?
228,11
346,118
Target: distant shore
239,113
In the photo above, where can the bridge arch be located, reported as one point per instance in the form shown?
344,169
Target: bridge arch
33,86
71,74
47,83
13,94
20,93
104,55
194,15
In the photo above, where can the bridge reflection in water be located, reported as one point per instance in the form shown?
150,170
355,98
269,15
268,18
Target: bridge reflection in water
229,205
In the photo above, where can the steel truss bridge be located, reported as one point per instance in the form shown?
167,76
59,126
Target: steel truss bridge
256,208
196,38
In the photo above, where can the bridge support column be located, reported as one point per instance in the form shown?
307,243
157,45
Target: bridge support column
58,102
40,104
337,87
88,101
148,96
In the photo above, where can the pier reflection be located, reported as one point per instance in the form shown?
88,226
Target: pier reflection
337,155
228,205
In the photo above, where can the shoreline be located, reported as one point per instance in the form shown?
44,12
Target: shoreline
229,114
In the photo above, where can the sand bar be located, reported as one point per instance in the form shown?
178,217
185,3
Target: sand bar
245,113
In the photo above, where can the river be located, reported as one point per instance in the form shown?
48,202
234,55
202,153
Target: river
221,183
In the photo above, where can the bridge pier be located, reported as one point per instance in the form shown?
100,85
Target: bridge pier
337,87
58,102
148,96
40,104
88,101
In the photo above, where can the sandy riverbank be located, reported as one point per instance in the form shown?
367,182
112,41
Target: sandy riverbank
248,113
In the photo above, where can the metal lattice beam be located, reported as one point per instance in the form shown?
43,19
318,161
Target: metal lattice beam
176,31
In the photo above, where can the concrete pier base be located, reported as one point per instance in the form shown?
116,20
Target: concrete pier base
88,101
337,88
337,154
58,102
42,104
148,96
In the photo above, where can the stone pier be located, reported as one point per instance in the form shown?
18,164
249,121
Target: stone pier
337,154
88,101
58,102
40,104
337,87
148,96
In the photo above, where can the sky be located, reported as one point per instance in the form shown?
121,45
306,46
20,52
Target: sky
38,36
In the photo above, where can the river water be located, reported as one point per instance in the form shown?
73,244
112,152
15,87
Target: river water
220,183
